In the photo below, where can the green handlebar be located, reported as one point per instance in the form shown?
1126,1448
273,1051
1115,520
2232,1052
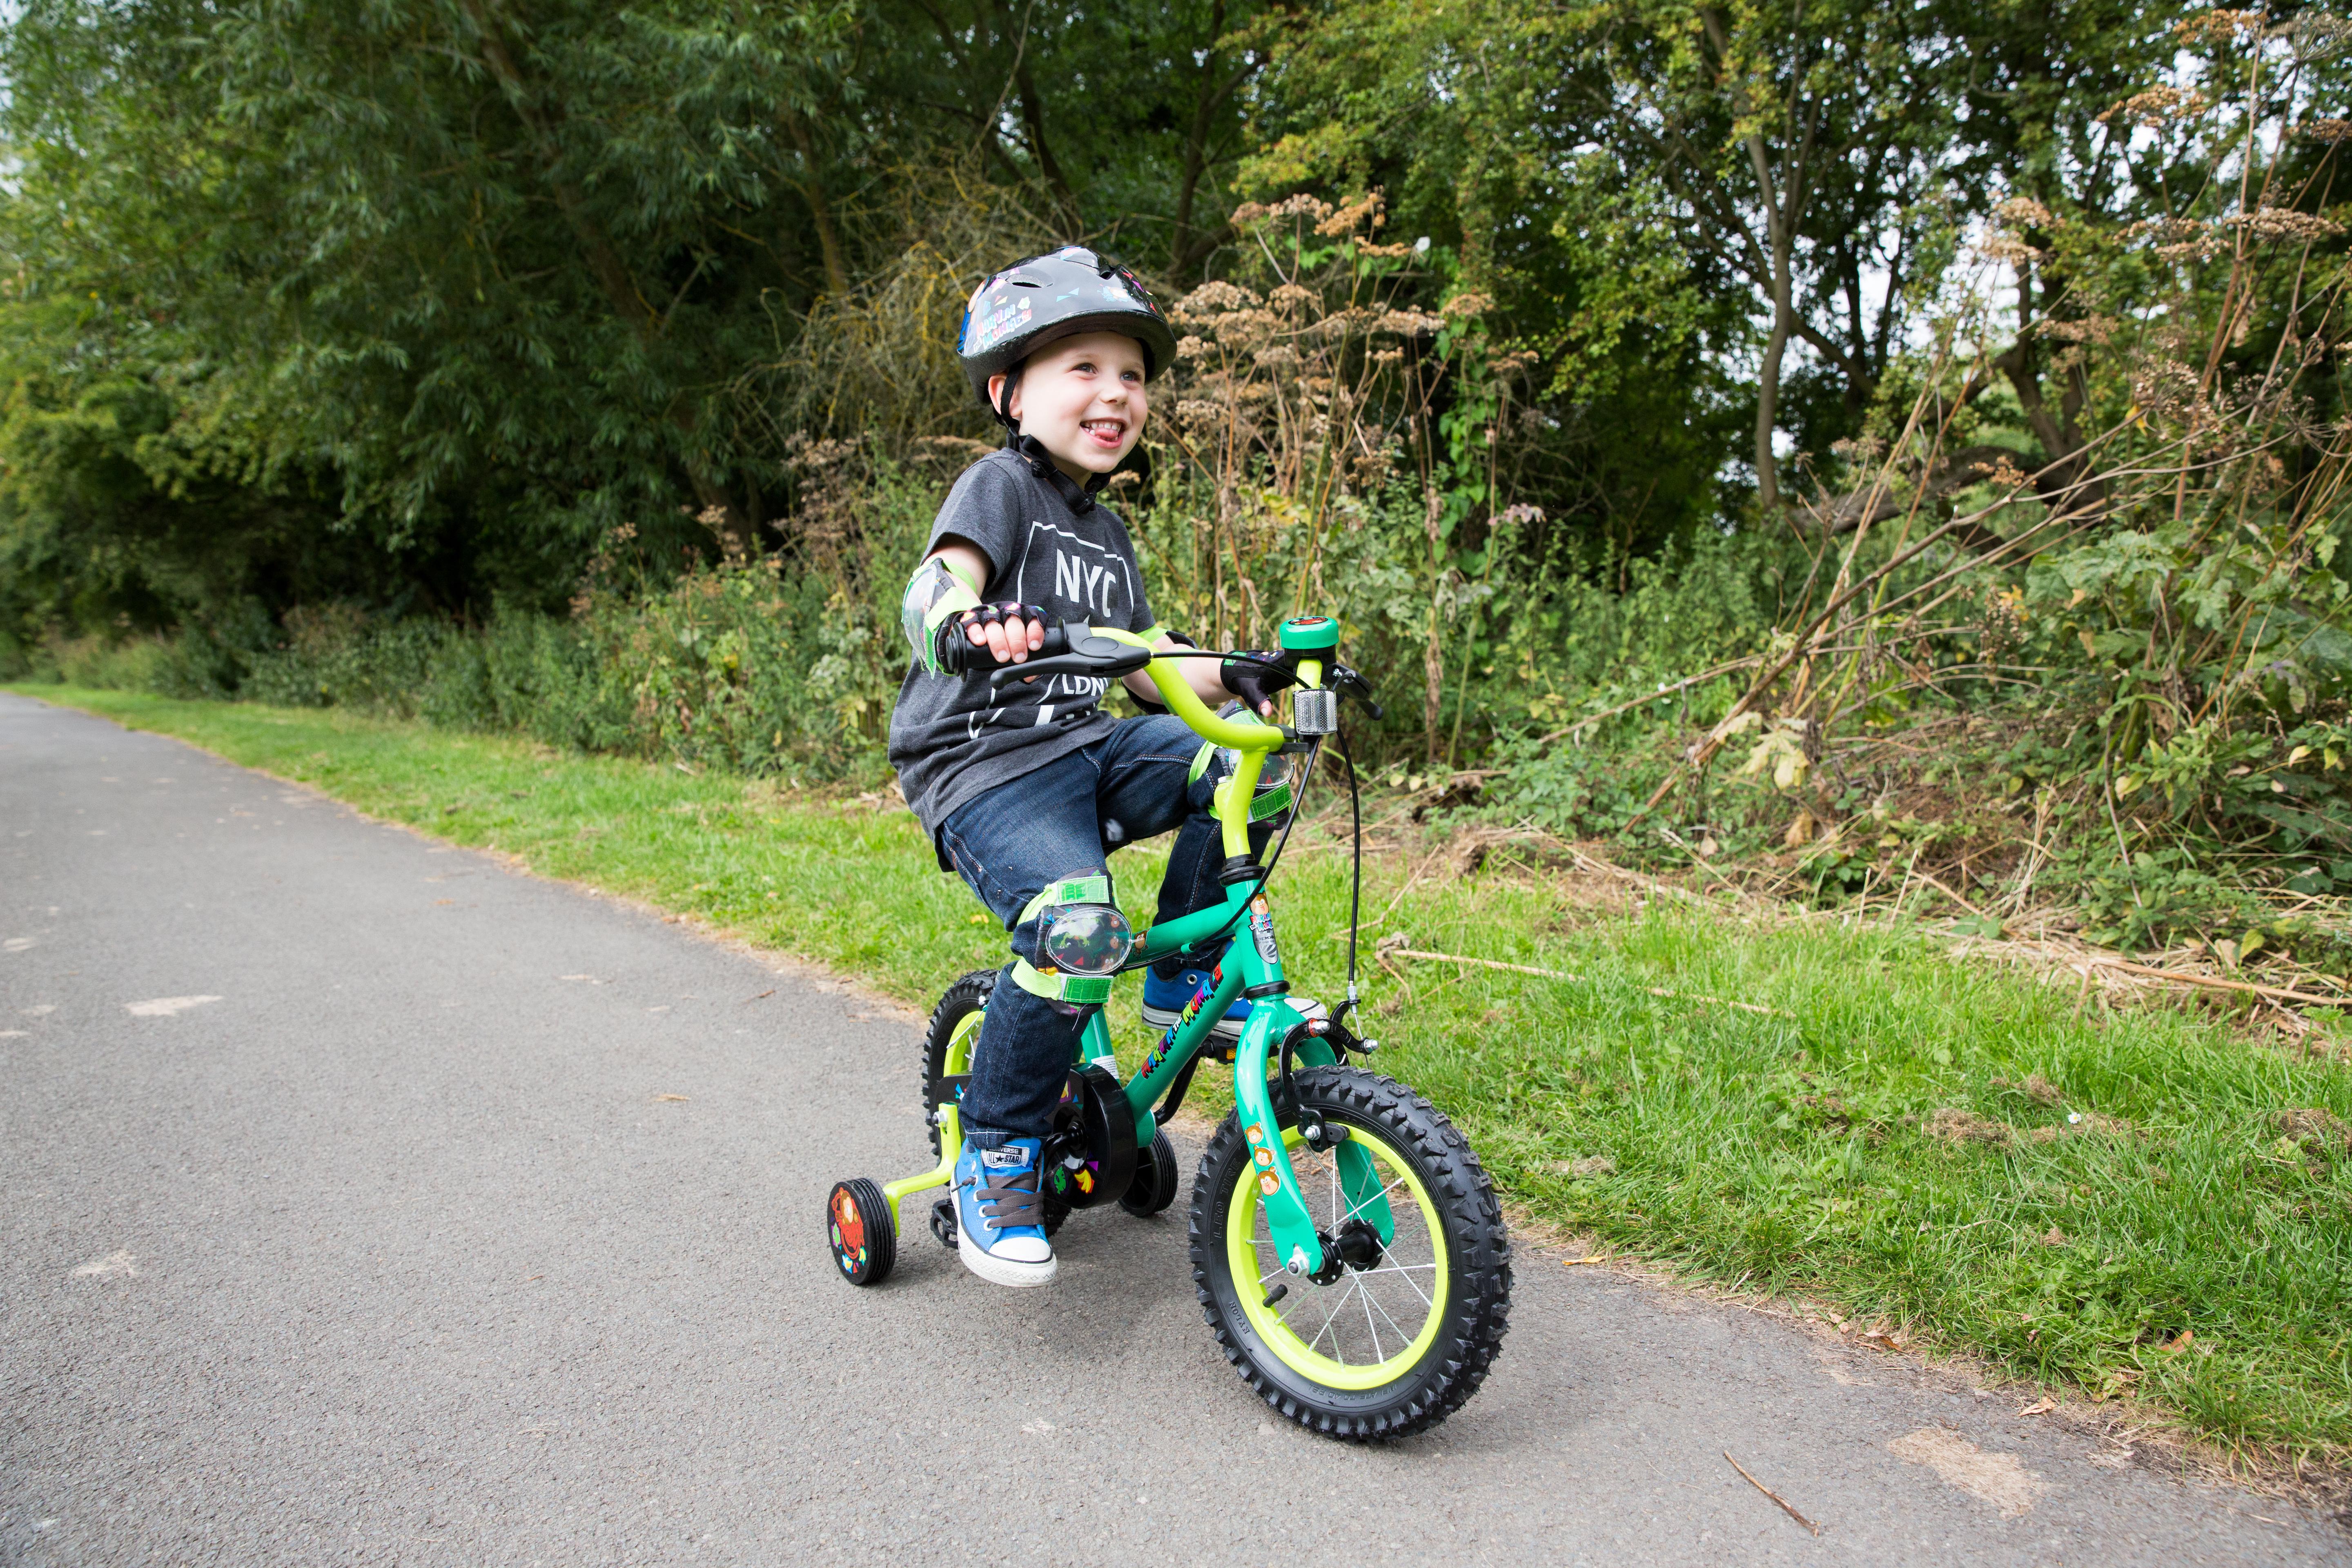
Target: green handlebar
1177,692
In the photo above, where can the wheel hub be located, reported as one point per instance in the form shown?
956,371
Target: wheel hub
1357,1246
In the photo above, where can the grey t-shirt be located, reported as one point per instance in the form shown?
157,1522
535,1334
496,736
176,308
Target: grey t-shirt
949,743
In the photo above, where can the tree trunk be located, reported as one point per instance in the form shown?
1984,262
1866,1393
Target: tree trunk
1196,148
812,189
1432,661
2068,485
1768,382
612,274
1033,118
1783,201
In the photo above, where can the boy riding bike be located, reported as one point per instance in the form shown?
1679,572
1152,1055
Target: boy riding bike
1025,793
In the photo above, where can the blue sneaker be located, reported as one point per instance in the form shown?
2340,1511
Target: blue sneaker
1001,1215
1164,1002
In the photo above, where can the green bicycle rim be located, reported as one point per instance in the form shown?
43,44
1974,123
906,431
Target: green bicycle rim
958,1059
1243,1260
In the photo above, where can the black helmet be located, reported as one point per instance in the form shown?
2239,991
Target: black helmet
1033,301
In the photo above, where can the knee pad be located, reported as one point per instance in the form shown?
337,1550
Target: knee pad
1080,939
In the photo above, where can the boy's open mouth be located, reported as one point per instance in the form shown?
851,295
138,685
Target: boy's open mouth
1105,432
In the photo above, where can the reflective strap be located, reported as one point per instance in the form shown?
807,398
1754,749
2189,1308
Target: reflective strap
955,602
1270,803
1088,889
1084,990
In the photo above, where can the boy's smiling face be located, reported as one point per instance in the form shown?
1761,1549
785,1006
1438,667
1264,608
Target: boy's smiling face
1083,397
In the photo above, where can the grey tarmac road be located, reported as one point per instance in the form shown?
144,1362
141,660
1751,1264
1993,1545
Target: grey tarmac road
345,1222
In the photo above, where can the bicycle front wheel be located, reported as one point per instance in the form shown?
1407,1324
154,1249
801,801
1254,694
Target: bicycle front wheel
1401,1327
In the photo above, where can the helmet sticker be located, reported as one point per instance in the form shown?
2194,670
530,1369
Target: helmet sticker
1003,317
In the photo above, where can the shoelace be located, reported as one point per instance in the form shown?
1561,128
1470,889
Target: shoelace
1014,1204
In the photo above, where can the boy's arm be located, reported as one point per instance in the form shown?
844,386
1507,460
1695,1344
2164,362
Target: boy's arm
1012,638
1200,674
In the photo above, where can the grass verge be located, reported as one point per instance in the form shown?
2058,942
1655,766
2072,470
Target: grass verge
2135,1204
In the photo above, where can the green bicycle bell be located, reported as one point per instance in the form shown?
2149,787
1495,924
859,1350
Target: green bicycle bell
1309,634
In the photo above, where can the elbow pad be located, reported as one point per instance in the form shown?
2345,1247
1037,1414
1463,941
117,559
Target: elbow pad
935,595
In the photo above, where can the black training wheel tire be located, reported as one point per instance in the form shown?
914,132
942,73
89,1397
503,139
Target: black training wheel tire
1473,1315
862,1231
1156,1182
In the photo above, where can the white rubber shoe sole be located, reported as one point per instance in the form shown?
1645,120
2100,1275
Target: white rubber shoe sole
1000,1270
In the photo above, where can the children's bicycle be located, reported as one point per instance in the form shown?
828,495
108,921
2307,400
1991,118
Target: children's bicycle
1348,1248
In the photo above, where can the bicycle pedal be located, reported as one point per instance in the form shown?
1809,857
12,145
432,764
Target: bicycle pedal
943,1222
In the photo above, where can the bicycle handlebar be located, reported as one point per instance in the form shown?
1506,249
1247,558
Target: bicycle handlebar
1073,647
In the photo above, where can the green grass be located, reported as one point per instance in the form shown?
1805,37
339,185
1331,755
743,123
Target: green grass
1781,1153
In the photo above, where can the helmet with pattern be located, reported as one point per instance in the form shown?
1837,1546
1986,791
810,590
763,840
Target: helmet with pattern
1060,294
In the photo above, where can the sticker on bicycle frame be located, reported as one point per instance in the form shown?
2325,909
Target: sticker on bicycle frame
1262,931
1268,1183
1265,1157
1254,1132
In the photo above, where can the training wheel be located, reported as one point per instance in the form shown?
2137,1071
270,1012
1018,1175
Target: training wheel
1156,1180
862,1230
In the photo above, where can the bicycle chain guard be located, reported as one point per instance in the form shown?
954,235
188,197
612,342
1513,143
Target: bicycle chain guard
1091,1155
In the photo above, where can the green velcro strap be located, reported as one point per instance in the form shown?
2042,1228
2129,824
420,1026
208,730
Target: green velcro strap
1270,803
1090,889
1201,761
955,602
1085,990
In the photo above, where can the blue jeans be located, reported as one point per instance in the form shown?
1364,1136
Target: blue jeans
1063,820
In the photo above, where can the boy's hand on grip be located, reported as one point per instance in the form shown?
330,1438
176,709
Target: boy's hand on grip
1258,675
1006,633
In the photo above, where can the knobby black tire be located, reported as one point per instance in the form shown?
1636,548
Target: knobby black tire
1474,1316
965,997
968,995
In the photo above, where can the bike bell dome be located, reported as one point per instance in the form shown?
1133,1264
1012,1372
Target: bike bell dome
1059,294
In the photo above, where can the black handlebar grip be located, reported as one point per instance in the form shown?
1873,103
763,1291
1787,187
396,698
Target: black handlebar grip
959,656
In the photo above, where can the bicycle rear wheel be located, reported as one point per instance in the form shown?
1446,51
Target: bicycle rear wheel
1402,1327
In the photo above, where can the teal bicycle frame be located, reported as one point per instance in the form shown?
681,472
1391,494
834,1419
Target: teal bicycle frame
1251,965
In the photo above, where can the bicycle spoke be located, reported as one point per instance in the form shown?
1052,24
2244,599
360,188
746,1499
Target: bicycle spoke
1384,1191
1392,1322
1404,1272
1327,1319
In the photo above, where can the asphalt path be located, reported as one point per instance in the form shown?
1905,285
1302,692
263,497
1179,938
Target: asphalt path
367,1200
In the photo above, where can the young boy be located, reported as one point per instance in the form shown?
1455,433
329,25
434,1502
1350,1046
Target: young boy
1032,790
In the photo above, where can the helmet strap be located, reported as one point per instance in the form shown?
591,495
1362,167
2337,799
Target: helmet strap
1002,407
1032,451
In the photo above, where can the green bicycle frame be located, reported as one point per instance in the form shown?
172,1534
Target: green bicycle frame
1252,966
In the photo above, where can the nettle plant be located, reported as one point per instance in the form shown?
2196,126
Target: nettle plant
1324,445
2112,497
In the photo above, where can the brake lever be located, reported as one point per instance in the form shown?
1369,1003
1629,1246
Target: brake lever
1086,655
1344,679
1004,675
